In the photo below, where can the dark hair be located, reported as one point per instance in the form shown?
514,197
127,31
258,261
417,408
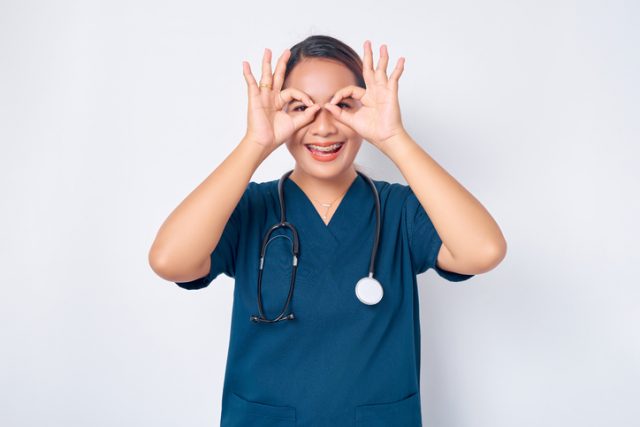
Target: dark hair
322,46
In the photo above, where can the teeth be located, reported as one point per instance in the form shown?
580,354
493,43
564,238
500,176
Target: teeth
328,148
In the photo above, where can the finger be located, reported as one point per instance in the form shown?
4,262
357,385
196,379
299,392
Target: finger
266,68
383,60
367,65
281,66
306,117
355,92
341,115
251,81
291,94
397,72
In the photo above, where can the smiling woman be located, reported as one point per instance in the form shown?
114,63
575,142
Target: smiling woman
344,359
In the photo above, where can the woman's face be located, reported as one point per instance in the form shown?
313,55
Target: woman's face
321,78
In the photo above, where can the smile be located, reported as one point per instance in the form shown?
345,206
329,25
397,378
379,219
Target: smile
325,149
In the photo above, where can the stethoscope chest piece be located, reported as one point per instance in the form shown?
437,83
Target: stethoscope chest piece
369,291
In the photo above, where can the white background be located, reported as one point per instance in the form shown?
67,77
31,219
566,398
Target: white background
111,112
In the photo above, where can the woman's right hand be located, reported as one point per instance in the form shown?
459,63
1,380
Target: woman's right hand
267,123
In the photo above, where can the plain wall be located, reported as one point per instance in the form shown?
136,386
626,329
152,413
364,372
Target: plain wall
111,112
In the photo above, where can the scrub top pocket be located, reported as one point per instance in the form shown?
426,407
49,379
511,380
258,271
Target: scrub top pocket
243,413
404,412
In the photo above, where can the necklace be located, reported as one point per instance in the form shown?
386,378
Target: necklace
327,205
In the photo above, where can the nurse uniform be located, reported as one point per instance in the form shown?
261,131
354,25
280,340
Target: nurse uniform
339,362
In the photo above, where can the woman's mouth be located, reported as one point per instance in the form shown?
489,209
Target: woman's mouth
325,152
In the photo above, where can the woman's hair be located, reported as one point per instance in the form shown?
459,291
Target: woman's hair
321,46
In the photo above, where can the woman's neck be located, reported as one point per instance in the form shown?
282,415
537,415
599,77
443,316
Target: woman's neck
325,190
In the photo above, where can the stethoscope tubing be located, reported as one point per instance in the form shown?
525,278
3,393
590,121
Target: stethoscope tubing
296,248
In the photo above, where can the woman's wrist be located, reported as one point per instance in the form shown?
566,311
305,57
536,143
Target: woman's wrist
254,151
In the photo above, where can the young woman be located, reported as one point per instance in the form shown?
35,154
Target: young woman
325,328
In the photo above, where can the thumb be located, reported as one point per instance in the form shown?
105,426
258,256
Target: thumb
307,116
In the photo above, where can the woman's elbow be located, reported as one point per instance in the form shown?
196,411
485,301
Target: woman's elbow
494,255
174,268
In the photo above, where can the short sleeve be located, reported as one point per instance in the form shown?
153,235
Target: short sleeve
424,241
223,257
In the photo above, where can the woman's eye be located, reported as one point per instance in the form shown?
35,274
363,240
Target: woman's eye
304,106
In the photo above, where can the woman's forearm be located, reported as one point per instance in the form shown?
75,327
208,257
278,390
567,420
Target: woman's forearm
182,247
468,231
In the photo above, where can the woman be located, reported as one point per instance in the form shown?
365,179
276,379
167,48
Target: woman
307,348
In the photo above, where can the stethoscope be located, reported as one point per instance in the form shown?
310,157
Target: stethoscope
368,289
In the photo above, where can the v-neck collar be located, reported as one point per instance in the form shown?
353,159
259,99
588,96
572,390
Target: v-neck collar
340,218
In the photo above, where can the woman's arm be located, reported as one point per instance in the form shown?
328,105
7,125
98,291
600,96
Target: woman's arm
472,242
182,248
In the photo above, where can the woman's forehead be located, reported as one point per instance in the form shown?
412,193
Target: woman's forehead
320,78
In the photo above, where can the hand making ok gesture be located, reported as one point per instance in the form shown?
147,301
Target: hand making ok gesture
267,123
378,119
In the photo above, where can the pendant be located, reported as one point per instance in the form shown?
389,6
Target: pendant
326,205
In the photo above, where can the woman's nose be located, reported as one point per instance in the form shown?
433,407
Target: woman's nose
324,122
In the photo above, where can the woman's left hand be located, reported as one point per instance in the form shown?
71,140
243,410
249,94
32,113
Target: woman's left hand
378,119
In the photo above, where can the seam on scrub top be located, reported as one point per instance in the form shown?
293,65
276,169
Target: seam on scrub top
409,223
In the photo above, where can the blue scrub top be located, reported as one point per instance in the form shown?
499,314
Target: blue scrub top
339,362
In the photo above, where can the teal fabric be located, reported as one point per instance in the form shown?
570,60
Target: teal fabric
340,362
